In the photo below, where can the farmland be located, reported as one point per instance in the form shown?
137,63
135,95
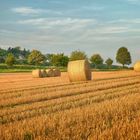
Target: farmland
108,107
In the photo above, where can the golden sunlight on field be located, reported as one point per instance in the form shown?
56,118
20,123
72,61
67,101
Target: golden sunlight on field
108,107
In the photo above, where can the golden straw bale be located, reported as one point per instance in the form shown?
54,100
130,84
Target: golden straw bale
56,72
79,70
137,66
37,73
43,73
50,72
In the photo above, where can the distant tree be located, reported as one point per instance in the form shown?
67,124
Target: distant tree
109,62
36,58
3,53
49,59
9,50
19,54
59,60
64,61
15,51
96,59
2,60
77,55
25,53
10,59
123,56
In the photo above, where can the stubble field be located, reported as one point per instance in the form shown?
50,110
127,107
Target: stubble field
106,108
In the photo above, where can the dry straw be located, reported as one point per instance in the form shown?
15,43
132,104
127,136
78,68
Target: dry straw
137,66
50,72
79,70
56,72
43,73
36,73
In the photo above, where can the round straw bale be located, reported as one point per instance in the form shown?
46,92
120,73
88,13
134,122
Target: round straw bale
37,73
56,72
137,66
79,70
50,72
43,73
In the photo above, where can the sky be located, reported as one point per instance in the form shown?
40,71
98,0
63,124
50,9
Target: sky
62,26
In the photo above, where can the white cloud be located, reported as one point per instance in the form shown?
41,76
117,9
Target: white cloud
78,26
26,10
70,23
126,21
33,11
112,30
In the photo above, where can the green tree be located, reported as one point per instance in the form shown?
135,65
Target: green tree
64,61
123,56
77,55
2,60
10,59
15,51
49,59
3,53
36,58
96,59
109,62
25,53
59,60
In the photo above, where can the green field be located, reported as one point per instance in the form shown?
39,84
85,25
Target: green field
28,68
23,68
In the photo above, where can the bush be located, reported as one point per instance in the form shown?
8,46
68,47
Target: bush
10,59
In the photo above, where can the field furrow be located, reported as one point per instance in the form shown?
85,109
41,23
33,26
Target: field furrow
13,95
125,108
42,96
76,102
38,105
107,107
62,86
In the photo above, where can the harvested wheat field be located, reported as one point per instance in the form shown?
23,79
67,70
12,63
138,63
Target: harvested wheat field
106,108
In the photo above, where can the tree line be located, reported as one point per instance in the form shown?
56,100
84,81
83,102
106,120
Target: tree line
16,55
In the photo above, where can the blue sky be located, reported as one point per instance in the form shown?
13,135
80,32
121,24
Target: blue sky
53,26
